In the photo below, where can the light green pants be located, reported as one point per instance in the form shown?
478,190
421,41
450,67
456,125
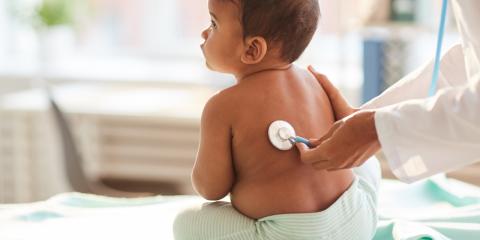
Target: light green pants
352,216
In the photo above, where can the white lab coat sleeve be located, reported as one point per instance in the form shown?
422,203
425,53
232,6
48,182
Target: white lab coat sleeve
423,137
467,14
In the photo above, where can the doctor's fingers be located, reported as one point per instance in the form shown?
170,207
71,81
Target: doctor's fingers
331,154
331,90
324,158
317,154
308,155
313,142
341,163
339,104
351,159
305,152
331,132
348,163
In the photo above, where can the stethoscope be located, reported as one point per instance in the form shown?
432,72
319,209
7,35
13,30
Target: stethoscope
282,134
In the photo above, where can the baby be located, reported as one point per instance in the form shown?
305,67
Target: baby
273,194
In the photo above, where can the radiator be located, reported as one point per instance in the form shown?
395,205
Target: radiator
142,148
123,143
30,162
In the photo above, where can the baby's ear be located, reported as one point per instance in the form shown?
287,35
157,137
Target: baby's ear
255,50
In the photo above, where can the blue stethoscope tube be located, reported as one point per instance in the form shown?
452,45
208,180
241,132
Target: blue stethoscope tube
441,33
298,139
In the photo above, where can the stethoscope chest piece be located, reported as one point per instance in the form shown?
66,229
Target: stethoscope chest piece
280,132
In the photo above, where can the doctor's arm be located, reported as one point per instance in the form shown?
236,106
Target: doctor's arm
425,137
213,175
421,138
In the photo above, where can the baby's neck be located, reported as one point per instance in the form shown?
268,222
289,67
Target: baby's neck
252,71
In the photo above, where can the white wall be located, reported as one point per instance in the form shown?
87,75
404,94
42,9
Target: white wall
4,30
7,38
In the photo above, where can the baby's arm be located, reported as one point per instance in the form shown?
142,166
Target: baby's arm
213,174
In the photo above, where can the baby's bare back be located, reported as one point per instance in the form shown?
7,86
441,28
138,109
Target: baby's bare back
270,181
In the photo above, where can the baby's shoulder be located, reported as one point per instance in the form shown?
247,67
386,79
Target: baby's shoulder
221,104
222,98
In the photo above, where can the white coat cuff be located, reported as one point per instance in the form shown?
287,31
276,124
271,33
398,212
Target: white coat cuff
387,135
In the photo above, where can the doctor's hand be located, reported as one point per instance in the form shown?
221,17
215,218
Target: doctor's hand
348,144
341,108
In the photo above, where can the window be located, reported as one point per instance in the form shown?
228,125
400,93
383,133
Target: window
151,28
135,39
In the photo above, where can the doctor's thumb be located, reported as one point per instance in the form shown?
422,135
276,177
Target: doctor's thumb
305,152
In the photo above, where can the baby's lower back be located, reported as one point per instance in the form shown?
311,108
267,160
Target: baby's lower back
298,190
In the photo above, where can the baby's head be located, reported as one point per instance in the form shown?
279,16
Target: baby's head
245,33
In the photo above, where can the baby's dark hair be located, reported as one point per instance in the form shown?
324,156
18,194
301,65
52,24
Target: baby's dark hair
289,23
